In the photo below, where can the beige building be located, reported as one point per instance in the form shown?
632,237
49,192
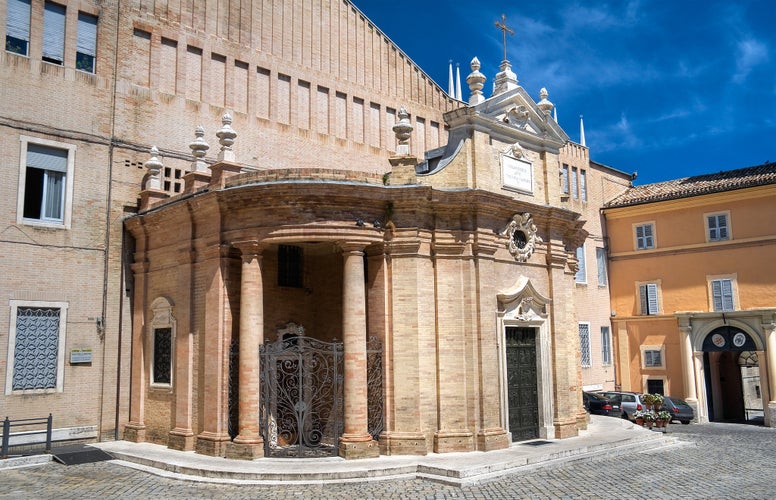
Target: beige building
434,267
693,305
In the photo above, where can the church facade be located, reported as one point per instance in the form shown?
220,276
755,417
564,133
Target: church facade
343,259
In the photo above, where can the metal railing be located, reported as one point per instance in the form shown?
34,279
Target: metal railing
25,422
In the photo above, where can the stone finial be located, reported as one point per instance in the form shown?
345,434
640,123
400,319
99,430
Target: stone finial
476,81
506,79
403,131
154,166
226,135
544,104
199,149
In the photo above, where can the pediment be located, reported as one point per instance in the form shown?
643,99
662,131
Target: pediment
515,115
522,302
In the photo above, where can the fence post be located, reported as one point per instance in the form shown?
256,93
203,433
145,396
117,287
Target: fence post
48,434
6,435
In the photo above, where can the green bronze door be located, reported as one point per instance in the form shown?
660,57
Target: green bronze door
522,394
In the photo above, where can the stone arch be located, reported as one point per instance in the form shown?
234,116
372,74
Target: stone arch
702,331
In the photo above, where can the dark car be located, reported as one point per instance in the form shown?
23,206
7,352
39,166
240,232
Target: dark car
678,409
599,405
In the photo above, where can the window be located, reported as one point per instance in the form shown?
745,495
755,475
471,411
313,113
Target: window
653,358
290,266
574,191
45,182
54,33
584,343
581,276
162,343
645,236
162,356
36,347
583,184
717,227
655,386
606,346
722,294
600,258
17,27
648,298
564,179
87,42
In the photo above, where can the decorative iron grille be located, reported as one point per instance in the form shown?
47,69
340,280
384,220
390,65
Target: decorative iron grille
36,348
302,397
374,366
234,394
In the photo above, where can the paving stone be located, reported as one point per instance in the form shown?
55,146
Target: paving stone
714,461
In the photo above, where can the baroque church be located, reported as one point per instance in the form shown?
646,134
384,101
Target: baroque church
309,248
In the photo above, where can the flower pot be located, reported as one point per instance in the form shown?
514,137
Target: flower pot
640,421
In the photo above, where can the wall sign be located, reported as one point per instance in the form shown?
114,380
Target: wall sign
80,356
517,174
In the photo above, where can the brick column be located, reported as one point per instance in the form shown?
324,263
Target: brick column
356,442
248,444
135,429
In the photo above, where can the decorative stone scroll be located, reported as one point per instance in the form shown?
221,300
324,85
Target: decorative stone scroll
521,236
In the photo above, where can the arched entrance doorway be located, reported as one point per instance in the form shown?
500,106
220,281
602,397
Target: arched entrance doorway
732,376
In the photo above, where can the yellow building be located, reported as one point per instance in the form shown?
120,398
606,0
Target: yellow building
693,291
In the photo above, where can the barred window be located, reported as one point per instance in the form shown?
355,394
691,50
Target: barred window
653,358
584,343
162,373
36,345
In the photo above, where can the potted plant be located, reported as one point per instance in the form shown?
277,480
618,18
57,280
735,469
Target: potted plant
664,417
639,416
657,401
649,419
648,399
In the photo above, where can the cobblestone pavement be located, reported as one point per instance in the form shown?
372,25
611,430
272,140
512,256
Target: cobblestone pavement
714,461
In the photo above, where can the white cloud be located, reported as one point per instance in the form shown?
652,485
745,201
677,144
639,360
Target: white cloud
749,54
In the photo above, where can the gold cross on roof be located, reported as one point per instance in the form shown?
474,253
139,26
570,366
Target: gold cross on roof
504,30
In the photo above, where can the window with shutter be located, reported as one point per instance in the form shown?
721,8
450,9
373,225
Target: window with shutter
54,33
600,257
581,276
644,237
87,42
717,226
574,190
583,184
648,298
606,349
45,183
722,294
17,27
564,179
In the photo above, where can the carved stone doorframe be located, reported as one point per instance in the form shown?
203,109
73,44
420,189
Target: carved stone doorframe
523,306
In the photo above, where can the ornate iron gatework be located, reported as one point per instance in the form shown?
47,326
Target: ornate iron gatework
374,367
301,397
234,387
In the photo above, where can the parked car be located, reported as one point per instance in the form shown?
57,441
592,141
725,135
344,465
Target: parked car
599,405
678,409
629,402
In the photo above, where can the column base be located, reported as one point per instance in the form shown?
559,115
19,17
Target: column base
492,439
582,420
770,416
181,440
245,451
403,443
356,447
212,444
453,441
135,432
566,429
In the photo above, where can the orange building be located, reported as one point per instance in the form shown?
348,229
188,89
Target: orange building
693,291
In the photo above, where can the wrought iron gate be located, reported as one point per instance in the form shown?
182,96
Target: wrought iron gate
301,397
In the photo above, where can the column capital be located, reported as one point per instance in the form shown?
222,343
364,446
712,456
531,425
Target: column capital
249,248
352,246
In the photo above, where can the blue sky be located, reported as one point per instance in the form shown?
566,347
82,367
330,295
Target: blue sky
668,88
